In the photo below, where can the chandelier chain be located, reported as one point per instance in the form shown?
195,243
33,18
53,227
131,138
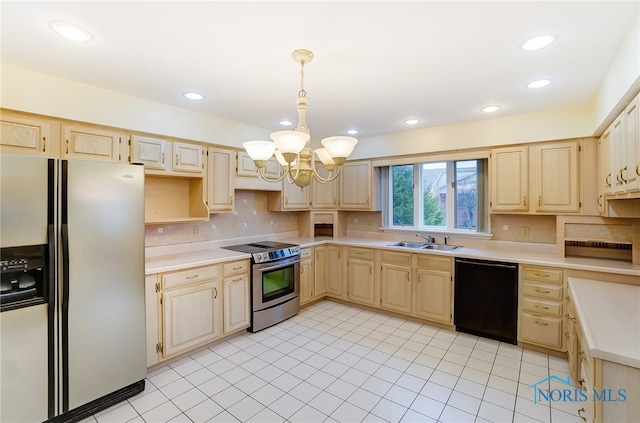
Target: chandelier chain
302,92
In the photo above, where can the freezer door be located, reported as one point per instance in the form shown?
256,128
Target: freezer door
23,355
24,188
102,217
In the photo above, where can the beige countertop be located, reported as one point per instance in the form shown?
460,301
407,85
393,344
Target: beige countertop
609,315
180,258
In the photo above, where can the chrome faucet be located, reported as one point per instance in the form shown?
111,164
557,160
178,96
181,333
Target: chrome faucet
429,238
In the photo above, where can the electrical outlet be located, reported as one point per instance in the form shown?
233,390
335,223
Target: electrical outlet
244,201
254,212
213,227
245,224
196,230
525,232
160,230
505,227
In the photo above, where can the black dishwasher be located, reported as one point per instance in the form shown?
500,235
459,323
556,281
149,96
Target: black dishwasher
486,299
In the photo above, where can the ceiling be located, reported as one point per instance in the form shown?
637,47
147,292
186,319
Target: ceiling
376,63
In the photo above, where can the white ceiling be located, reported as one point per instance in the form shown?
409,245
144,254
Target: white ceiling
376,63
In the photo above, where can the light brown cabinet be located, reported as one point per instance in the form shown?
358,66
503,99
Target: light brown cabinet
220,180
540,178
320,272
28,135
434,288
396,281
334,276
541,307
361,276
306,276
236,294
359,186
324,195
88,142
153,153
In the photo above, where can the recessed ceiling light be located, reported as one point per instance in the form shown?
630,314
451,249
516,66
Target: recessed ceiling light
194,96
352,131
70,31
411,121
538,42
539,83
490,109
286,123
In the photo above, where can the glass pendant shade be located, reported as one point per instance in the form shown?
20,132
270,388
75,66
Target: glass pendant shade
324,156
282,161
259,150
290,141
339,146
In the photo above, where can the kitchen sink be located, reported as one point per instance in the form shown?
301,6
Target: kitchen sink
425,246
408,244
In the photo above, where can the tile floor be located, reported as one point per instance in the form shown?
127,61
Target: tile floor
337,363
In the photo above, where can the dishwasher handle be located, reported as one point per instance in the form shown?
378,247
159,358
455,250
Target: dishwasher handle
480,263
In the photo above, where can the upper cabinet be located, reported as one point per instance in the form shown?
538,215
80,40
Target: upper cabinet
541,178
247,177
88,142
324,195
163,157
220,188
359,186
21,134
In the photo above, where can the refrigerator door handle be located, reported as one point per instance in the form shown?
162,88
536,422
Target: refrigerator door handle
64,240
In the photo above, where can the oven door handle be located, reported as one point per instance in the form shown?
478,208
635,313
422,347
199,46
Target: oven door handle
279,266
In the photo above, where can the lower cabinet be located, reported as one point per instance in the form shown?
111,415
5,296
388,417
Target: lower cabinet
360,276
334,274
396,281
192,307
306,276
434,288
541,318
191,317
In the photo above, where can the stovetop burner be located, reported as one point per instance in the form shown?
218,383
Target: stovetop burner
265,251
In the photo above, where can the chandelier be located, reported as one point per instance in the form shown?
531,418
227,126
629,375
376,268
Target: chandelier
291,147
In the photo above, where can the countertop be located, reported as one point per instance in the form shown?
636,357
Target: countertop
609,315
181,259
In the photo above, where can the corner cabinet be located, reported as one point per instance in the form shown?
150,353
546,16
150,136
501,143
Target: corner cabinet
220,179
359,186
539,178
335,272
290,198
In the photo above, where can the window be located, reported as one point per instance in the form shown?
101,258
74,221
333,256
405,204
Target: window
445,195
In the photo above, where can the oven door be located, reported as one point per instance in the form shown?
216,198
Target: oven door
275,282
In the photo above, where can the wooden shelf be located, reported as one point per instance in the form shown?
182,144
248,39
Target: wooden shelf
174,199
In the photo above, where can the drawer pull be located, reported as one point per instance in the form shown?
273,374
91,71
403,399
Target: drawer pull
360,253
541,307
236,268
237,279
542,275
192,277
584,419
540,323
542,291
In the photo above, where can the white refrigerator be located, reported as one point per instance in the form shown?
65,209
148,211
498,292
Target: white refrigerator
79,345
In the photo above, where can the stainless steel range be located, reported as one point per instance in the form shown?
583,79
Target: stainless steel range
275,285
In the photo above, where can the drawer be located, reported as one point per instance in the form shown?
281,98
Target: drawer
361,253
235,268
435,262
306,254
544,307
542,274
184,277
550,292
396,258
545,331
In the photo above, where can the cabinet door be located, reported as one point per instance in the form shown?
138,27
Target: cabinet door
360,282
433,299
508,170
191,316
220,190
151,152
306,281
632,140
356,186
92,143
334,274
24,135
152,300
395,282
319,276
236,303
324,195
618,155
555,177
604,172
187,157
294,197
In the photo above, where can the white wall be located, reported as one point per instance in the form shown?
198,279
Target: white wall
36,92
